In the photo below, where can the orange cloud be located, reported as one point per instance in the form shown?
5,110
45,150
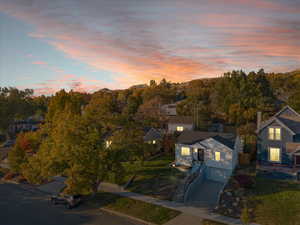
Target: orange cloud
177,43
68,82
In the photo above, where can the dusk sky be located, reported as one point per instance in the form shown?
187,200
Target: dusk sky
91,44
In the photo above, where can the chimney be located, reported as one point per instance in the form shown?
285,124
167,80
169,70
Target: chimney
258,119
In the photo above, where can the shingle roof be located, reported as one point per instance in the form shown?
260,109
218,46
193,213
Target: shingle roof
291,121
181,119
227,142
152,134
191,137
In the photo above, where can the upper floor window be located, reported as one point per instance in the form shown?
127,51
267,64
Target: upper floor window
274,133
185,151
217,156
179,128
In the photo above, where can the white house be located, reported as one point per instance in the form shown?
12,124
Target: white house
217,151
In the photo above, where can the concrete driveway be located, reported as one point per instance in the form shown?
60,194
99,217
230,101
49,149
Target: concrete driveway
21,206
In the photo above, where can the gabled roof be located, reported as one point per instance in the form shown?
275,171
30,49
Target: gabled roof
271,120
227,142
152,134
287,118
285,108
191,137
181,119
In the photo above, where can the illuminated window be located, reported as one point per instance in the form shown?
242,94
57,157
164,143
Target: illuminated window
274,154
108,143
185,151
274,133
179,128
217,156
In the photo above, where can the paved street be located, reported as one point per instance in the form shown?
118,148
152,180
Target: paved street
19,206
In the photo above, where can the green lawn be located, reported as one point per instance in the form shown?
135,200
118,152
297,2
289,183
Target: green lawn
156,178
273,193
142,210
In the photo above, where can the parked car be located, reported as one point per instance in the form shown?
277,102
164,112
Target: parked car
70,201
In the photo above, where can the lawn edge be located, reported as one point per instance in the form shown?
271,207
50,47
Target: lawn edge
126,216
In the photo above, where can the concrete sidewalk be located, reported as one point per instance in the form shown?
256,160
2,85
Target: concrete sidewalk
195,212
185,219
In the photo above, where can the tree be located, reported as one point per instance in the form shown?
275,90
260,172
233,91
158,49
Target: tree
17,156
14,104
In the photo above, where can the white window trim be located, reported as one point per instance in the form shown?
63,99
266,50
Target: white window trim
215,156
185,148
269,154
273,137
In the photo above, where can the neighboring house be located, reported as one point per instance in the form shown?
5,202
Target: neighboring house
180,123
24,125
217,151
153,136
216,127
278,144
169,109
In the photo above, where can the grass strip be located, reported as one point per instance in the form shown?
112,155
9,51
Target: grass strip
139,209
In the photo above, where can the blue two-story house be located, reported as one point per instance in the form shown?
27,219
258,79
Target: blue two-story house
278,144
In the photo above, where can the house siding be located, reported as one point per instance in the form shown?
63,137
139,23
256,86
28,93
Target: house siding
263,144
186,160
227,159
172,127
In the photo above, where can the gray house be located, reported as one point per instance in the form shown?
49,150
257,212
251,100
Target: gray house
218,152
153,135
180,123
278,144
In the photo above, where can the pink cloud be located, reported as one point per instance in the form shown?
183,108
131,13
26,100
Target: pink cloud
68,82
188,43
39,63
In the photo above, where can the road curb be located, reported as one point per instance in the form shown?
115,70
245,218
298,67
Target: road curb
126,216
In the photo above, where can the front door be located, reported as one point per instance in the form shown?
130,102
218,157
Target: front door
201,155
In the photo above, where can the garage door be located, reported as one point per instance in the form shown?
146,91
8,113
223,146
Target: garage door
217,174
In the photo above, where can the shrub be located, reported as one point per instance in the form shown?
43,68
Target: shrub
9,176
21,179
245,181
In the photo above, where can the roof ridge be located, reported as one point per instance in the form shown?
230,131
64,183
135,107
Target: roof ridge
284,108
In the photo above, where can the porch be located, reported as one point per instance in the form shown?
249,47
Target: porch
279,171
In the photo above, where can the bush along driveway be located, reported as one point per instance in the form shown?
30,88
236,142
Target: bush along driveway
261,200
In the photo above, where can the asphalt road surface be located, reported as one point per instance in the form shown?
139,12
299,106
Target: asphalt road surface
22,206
